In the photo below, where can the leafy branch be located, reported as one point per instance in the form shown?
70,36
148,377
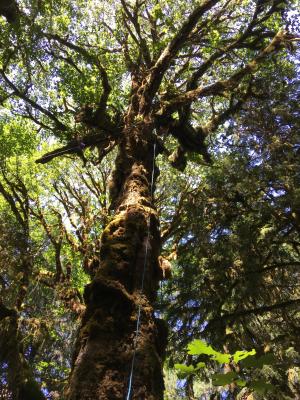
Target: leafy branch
237,362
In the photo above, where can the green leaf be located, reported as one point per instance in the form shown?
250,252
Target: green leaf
264,231
197,347
201,365
261,387
281,6
224,379
266,359
241,354
157,11
185,369
241,383
221,358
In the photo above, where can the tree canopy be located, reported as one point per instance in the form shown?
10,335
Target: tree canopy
120,116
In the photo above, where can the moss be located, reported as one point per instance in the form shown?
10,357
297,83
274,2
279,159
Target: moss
84,331
96,328
114,225
121,248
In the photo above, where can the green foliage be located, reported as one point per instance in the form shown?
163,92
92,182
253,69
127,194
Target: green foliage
241,355
184,370
261,387
224,379
17,137
266,359
236,270
231,229
197,347
240,360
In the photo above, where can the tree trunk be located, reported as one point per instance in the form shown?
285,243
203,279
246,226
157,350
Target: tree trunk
21,382
125,283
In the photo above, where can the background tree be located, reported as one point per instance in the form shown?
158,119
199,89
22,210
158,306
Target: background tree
236,276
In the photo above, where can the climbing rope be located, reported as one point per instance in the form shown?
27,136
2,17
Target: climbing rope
138,321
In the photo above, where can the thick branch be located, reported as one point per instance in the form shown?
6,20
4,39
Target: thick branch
193,81
35,105
19,196
10,200
221,117
10,10
255,311
105,94
141,42
231,83
80,50
157,72
76,146
90,58
6,312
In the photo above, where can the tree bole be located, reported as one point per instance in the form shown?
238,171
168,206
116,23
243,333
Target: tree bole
125,282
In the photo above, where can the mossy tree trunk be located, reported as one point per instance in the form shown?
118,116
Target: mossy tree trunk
20,379
20,376
107,337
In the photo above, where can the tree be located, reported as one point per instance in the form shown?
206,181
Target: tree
139,77
237,270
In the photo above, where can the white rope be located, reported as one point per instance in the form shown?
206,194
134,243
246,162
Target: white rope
138,321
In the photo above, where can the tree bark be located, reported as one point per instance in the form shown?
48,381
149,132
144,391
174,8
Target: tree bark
21,382
126,281
20,379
